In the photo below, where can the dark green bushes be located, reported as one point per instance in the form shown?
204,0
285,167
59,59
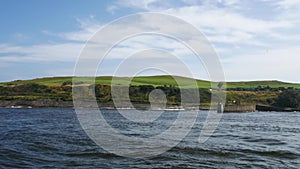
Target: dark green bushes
288,98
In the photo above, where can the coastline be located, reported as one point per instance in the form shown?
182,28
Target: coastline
51,103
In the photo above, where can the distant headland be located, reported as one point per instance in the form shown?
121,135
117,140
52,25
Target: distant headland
241,96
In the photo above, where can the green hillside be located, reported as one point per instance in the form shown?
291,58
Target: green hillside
60,89
154,81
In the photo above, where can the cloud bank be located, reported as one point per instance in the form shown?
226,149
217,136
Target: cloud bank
252,43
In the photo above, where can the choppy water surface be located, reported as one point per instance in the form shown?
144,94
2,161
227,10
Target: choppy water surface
53,138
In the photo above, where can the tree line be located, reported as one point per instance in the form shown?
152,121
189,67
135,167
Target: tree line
282,98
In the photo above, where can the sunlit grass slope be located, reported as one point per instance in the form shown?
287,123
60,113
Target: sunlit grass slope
155,81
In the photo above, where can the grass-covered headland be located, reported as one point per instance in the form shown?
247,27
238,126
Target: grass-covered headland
59,89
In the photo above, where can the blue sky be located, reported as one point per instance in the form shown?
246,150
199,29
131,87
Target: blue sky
255,40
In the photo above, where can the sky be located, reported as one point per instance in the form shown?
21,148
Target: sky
254,40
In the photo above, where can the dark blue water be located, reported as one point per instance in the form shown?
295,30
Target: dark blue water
53,138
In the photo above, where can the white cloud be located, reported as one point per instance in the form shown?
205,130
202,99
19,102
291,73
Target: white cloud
230,2
289,4
140,4
289,9
282,63
222,22
87,27
40,53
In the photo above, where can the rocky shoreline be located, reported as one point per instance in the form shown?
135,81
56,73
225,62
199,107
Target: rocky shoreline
35,103
45,103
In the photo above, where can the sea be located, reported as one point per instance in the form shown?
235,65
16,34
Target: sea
54,138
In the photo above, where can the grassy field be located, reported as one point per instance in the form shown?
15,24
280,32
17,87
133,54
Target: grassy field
154,81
